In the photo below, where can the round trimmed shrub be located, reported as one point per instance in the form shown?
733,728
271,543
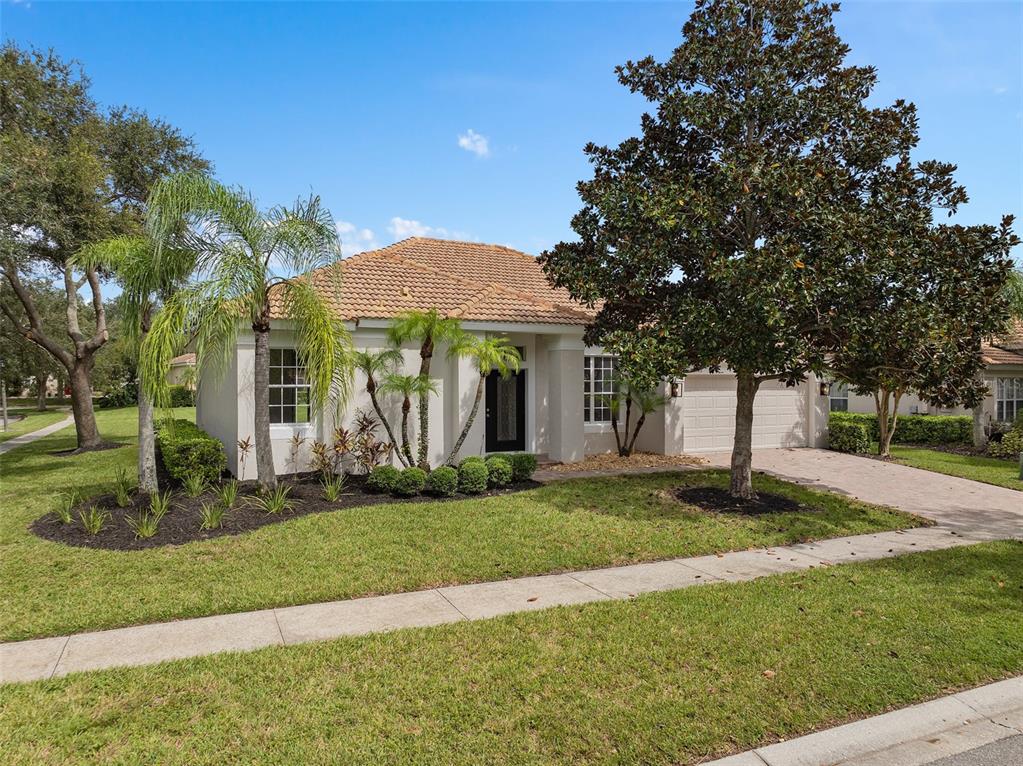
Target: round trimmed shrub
382,479
442,481
409,483
471,459
1009,447
499,471
523,466
472,477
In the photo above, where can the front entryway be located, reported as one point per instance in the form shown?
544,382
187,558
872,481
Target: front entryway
506,412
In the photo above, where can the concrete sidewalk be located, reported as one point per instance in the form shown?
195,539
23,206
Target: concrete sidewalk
28,438
145,644
912,736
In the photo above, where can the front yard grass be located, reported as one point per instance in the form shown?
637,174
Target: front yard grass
33,421
1004,473
51,589
667,678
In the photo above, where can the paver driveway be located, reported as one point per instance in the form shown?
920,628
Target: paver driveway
962,505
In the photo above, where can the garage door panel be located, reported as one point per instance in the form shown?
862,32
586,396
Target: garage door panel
779,414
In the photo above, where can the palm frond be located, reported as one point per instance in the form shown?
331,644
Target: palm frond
303,237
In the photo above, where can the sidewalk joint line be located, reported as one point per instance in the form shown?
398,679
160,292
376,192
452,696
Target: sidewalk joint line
451,603
280,632
570,576
60,656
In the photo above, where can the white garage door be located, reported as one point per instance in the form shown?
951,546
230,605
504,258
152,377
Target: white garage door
779,414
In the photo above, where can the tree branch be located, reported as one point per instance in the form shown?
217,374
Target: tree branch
34,332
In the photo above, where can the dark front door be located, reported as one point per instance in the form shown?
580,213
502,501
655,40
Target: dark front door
506,412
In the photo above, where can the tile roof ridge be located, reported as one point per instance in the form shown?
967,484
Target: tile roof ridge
475,300
554,306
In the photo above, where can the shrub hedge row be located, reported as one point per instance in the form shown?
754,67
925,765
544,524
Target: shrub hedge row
187,450
909,429
472,476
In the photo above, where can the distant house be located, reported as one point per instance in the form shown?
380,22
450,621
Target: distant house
182,371
554,406
1003,374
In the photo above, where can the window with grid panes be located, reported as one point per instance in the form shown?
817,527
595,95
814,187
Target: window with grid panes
289,390
598,383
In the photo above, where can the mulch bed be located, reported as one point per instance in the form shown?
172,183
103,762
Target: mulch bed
717,500
181,524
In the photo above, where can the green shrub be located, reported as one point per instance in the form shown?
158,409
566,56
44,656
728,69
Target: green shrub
848,436
442,481
472,477
145,525
122,488
159,505
914,429
410,482
523,466
333,486
275,501
499,471
471,459
93,519
182,396
212,515
187,450
123,394
194,484
382,479
66,503
1009,446
227,493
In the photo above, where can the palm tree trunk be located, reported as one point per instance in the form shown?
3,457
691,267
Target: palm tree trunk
371,388
741,485
468,423
426,354
406,406
265,472
639,425
148,481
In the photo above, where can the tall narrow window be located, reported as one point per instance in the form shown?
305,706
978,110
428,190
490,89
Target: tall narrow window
599,386
1008,399
839,396
289,390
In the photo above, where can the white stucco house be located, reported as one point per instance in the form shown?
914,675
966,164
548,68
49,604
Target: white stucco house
552,407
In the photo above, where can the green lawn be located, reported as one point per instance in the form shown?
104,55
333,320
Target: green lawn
33,421
668,678
51,589
1004,473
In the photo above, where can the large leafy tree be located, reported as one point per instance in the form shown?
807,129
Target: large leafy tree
24,362
146,283
427,328
923,296
719,234
247,261
70,174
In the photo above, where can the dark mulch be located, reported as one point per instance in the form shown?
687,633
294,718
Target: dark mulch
103,447
717,500
181,524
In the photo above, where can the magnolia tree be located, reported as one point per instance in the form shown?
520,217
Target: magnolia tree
720,236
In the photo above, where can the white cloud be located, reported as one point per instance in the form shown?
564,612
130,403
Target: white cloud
473,142
355,240
402,228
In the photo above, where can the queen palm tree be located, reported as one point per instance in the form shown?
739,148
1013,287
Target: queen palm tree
246,260
146,283
407,387
377,365
428,328
488,354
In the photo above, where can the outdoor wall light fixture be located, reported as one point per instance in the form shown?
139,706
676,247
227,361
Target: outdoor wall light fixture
825,388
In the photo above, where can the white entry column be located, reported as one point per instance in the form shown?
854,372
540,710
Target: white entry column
565,410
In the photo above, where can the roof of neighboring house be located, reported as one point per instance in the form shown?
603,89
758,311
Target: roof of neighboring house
465,280
183,359
1006,349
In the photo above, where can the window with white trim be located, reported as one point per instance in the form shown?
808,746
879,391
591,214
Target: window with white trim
289,389
599,383
838,396
1008,399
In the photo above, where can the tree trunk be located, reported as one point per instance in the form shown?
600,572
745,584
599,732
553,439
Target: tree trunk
147,445
628,418
639,425
887,419
614,427
979,431
41,378
265,472
426,354
81,406
371,389
406,407
468,423
742,449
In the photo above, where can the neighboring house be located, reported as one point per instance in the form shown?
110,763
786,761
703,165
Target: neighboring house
1003,374
182,371
551,407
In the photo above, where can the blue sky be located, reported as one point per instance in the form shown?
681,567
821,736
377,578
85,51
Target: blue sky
468,120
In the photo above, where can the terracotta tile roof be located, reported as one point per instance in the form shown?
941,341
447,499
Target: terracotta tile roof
183,359
467,280
1007,349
